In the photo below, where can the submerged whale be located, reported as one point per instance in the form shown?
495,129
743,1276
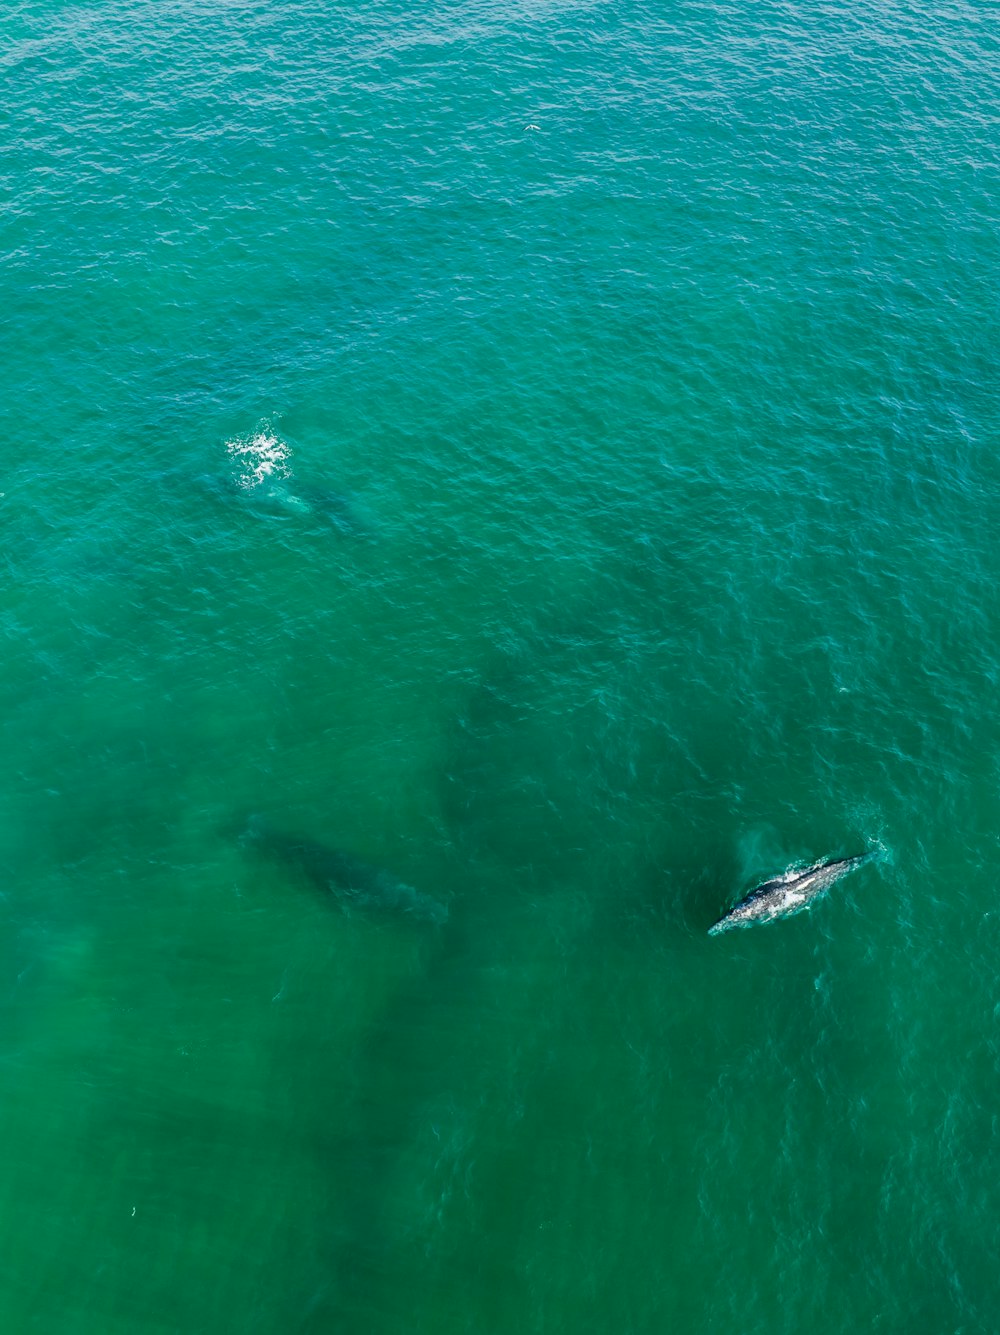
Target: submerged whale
788,893
310,500
352,882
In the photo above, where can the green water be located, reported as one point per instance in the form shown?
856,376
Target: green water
547,452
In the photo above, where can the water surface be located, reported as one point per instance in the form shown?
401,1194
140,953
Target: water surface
547,454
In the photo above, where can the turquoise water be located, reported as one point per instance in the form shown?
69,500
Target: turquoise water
547,453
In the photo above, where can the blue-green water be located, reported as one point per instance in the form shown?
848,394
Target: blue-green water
547,452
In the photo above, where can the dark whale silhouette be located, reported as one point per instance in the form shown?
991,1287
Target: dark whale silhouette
786,894
353,882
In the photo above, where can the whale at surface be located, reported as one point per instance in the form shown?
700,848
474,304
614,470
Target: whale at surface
351,881
786,894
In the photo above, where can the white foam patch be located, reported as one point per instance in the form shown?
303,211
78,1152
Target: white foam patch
259,457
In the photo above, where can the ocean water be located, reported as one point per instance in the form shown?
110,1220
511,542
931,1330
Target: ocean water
546,453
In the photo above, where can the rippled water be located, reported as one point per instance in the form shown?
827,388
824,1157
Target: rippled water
532,469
